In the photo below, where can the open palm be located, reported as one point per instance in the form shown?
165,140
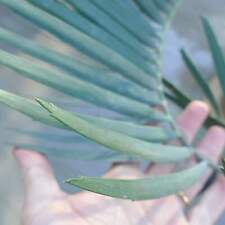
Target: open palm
46,204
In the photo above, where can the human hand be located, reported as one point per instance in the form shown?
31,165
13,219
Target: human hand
46,204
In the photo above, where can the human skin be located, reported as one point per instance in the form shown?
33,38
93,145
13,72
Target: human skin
46,204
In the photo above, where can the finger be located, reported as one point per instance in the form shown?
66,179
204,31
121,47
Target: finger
214,197
211,147
212,205
37,174
178,219
213,143
191,120
165,209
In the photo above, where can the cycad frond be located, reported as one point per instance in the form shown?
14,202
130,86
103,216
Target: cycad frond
127,38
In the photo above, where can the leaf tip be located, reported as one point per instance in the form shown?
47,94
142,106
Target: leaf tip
73,181
46,105
205,22
68,181
183,52
204,19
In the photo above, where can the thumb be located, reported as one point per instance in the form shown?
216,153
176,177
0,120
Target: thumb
37,173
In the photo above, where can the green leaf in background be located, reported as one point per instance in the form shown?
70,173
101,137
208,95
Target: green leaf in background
81,89
43,136
182,100
198,77
73,153
142,189
82,23
80,41
163,6
101,77
129,16
217,53
97,15
28,108
150,9
147,133
118,141
33,110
